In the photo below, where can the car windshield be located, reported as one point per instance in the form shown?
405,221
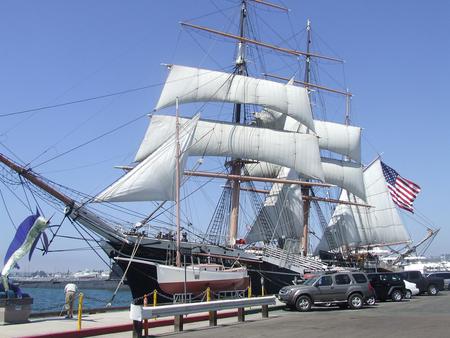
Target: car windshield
311,281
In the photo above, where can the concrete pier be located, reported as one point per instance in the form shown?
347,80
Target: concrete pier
118,324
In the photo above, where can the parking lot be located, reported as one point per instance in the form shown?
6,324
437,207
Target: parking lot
423,316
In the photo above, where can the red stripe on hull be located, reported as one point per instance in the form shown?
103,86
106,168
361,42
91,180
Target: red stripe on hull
198,287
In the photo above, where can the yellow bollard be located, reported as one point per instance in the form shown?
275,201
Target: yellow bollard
249,291
208,294
80,309
155,298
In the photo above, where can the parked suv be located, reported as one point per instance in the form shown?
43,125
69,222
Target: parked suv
387,285
341,288
430,285
442,274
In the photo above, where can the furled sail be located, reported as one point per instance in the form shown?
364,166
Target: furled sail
344,174
339,138
262,169
212,138
281,216
154,178
190,84
379,225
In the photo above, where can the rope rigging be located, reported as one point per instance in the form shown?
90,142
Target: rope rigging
82,100
133,253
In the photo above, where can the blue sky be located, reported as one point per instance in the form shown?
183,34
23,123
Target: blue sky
397,65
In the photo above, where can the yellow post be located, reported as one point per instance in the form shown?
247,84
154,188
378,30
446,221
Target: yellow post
155,298
208,294
249,291
80,309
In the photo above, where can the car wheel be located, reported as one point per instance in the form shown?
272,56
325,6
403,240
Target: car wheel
396,295
408,294
371,301
355,301
303,304
432,290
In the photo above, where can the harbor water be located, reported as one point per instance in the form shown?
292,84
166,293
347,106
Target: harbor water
48,299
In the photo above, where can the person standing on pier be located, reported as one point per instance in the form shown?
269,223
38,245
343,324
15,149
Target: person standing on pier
70,290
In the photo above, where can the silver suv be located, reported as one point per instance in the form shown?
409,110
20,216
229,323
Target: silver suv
342,288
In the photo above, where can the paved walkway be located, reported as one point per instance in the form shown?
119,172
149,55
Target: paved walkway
420,317
423,316
60,324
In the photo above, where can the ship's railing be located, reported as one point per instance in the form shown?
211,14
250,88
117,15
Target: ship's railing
288,259
232,294
140,313
182,298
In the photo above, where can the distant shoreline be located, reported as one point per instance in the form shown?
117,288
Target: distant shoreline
106,284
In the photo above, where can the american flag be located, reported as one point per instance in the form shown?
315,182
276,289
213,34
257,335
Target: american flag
403,191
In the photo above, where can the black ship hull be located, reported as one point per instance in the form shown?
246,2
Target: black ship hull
142,278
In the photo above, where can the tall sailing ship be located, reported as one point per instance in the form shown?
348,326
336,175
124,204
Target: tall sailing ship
279,155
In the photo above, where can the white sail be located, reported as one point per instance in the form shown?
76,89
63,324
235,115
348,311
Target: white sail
282,213
336,137
190,84
293,150
262,169
344,174
379,225
154,178
339,138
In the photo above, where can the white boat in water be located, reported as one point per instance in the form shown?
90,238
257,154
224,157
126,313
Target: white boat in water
196,278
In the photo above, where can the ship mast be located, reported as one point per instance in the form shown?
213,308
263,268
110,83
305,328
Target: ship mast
305,189
177,183
240,69
236,164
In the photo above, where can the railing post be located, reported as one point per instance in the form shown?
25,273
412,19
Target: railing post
178,323
212,318
137,329
241,314
265,311
145,320
80,310
212,314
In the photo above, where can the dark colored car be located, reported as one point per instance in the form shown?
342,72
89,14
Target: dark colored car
430,285
387,285
345,289
442,274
